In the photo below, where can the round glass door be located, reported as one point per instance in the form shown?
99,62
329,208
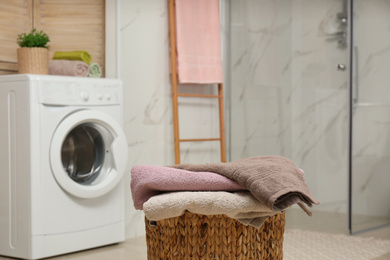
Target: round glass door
83,153
88,154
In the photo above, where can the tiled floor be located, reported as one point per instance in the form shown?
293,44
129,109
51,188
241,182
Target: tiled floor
330,222
135,249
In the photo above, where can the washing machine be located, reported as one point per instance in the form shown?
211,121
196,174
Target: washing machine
63,154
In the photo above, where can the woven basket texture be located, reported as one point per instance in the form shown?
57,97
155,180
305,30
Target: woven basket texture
33,60
199,237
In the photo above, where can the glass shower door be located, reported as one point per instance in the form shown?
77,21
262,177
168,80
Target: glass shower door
370,154
289,93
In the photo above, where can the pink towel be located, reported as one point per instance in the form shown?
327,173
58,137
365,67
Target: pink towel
150,180
198,41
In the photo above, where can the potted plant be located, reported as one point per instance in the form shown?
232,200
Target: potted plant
33,54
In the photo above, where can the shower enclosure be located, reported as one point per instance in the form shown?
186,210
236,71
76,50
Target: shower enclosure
310,80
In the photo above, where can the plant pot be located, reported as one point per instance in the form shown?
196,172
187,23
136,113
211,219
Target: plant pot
33,60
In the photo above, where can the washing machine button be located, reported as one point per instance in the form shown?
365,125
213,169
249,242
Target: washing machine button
99,96
84,96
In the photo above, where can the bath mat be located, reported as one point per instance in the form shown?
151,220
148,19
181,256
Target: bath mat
301,245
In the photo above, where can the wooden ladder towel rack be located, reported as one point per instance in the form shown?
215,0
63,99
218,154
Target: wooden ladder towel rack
176,95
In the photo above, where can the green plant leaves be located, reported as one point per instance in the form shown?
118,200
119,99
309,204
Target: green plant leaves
33,39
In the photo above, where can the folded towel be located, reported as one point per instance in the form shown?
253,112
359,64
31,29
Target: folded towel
198,41
150,180
274,180
73,55
68,68
94,70
238,205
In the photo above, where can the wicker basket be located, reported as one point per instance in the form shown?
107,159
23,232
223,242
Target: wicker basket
196,237
33,60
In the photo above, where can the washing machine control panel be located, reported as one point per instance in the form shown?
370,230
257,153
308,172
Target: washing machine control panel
83,92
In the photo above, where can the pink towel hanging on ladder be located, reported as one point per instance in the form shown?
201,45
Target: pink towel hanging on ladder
198,41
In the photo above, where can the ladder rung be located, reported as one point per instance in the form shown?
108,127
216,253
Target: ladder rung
198,95
200,140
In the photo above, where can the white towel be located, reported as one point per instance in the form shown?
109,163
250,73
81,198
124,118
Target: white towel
241,206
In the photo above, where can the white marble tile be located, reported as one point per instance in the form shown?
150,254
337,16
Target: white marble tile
144,69
302,112
372,123
286,96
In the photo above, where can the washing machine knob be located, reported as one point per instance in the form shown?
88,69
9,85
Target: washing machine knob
108,97
84,96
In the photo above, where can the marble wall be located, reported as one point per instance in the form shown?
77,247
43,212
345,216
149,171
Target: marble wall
289,98
284,94
320,101
371,139
260,78
144,70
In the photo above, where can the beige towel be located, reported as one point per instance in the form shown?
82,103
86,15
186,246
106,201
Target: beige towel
274,180
238,205
68,68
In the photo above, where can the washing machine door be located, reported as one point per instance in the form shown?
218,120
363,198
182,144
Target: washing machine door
88,154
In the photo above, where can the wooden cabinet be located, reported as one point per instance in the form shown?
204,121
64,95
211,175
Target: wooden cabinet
70,24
